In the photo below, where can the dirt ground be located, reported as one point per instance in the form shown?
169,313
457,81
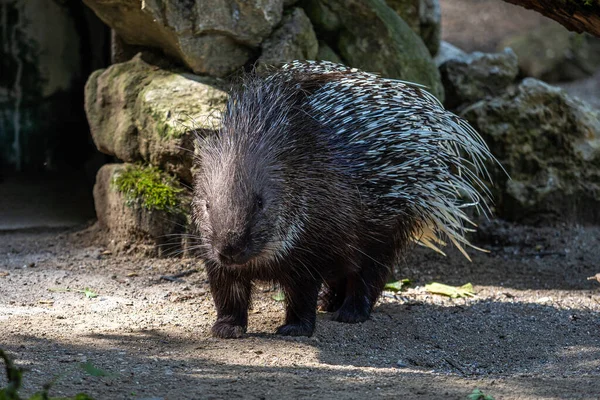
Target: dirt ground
532,331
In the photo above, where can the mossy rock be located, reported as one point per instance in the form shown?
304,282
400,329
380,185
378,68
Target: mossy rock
423,17
149,188
143,110
141,206
369,35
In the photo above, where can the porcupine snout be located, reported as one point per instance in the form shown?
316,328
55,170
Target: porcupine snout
233,248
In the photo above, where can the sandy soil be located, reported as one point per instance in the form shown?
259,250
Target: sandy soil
532,331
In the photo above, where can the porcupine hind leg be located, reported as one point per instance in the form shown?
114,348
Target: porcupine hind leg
231,294
363,289
332,296
301,303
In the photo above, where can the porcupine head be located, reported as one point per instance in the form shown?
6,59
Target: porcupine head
237,204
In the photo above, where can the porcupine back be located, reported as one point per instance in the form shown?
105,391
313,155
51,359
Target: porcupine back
416,165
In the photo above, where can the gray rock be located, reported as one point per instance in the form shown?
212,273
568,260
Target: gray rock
371,36
553,54
146,220
211,37
295,39
549,143
448,52
138,111
477,75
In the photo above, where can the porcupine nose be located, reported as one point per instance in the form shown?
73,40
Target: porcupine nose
234,252
230,255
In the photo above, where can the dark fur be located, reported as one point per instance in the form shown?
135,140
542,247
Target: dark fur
271,171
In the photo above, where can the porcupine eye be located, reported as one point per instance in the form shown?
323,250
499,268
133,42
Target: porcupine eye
258,203
206,205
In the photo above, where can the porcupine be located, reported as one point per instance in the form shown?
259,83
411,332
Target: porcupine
322,174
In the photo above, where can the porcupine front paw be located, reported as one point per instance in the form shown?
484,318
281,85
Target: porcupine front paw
226,329
297,329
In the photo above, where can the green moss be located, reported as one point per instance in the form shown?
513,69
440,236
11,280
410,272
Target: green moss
150,188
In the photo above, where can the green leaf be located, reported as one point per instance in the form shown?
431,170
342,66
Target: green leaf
4,395
450,291
279,296
82,396
477,394
89,293
397,285
14,377
93,371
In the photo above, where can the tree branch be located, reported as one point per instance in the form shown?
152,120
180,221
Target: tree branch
575,15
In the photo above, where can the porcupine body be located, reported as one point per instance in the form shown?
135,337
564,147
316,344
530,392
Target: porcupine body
322,174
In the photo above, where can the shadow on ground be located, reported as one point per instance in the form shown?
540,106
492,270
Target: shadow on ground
512,350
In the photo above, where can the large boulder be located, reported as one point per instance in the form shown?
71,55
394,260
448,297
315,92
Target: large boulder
138,111
142,206
553,54
369,35
295,39
549,143
211,37
471,77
